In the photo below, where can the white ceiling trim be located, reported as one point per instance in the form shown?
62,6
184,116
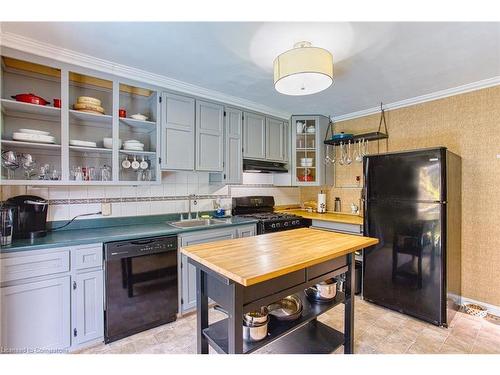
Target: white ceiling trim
47,50
485,83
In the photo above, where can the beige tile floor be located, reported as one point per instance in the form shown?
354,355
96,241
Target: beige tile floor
377,330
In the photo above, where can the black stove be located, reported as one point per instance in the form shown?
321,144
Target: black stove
261,208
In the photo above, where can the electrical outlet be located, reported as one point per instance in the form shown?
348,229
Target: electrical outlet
106,209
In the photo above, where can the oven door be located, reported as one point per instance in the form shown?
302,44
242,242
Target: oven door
141,291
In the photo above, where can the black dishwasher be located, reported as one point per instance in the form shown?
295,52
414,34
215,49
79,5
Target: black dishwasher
141,285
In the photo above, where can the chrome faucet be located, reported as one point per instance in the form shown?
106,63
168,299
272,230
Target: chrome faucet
192,197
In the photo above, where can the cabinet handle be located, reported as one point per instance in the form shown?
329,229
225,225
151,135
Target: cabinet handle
74,285
75,332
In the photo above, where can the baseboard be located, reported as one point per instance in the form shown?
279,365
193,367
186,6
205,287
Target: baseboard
492,309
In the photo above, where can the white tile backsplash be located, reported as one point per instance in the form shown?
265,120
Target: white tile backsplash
181,189
78,209
143,208
169,190
111,192
193,189
95,192
257,178
116,210
143,191
58,212
192,178
128,191
157,191
173,184
159,207
168,178
181,178
59,192
78,192
12,191
129,208
42,192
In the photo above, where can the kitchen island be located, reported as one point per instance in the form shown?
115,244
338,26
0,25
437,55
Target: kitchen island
244,274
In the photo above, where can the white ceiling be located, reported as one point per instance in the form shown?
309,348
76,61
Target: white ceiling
374,62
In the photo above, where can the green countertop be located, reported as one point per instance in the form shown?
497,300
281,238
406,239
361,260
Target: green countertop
124,231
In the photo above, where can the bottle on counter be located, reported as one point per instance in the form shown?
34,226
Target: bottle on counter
338,205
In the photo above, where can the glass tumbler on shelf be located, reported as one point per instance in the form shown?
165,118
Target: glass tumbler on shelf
92,174
10,162
105,173
54,175
76,173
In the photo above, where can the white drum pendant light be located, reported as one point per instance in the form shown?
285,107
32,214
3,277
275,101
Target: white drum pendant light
303,70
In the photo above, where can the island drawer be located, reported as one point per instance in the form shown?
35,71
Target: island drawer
273,286
326,267
32,265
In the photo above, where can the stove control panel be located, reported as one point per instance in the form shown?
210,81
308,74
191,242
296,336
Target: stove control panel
284,224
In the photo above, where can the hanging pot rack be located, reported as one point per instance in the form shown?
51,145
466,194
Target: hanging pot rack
370,136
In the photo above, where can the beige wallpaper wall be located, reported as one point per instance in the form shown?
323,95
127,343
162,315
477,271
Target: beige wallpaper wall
469,125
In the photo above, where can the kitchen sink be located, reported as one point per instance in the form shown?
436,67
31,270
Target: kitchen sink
196,223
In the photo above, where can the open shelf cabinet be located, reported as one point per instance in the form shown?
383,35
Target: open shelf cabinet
139,100
68,162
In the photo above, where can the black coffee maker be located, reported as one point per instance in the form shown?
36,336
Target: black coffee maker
30,216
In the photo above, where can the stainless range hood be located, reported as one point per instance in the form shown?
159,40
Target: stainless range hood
262,166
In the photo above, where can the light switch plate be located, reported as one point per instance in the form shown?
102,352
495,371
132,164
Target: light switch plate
106,209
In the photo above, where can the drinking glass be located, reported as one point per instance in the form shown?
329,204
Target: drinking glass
105,173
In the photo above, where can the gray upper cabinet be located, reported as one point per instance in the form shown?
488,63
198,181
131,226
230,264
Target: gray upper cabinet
209,136
36,315
254,136
233,163
88,307
178,131
275,145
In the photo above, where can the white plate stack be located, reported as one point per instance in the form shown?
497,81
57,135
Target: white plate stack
79,143
31,135
133,145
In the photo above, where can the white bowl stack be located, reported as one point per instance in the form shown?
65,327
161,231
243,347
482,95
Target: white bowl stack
133,145
108,143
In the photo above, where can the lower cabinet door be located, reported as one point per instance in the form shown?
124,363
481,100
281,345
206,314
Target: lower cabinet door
188,295
88,307
188,272
36,316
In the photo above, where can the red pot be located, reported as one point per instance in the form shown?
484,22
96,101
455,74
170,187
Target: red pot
122,112
30,98
57,103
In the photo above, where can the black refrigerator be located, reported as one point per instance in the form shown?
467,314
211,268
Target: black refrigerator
412,203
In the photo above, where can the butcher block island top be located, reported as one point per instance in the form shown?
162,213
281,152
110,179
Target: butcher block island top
251,260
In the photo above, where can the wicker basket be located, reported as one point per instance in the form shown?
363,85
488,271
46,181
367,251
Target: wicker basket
476,310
